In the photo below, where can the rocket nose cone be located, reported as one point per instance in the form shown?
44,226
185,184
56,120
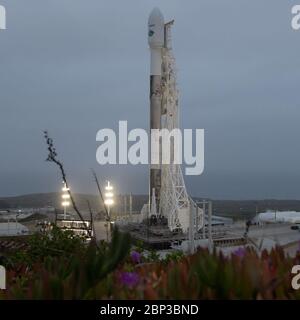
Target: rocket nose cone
156,16
156,26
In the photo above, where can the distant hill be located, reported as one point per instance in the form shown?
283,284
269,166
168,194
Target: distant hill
54,200
4,204
231,208
247,209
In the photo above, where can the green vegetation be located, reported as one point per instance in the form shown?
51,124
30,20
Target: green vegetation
59,265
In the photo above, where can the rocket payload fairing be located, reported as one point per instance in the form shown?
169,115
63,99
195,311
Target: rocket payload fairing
156,40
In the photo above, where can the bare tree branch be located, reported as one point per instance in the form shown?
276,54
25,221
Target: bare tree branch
92,219
101,194
52,157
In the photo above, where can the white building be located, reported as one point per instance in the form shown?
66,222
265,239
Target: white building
10,229
278,217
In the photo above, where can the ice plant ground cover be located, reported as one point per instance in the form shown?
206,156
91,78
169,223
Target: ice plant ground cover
60,266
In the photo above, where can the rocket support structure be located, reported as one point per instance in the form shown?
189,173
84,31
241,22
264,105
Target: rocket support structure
168,196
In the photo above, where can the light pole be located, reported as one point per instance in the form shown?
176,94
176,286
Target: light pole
65,196
108,201
19,213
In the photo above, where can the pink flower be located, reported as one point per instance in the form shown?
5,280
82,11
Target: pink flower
136,257
240,252
129,279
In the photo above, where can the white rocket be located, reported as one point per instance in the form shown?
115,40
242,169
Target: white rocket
156,40
168,196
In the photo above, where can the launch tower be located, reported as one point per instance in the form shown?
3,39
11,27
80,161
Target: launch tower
168,196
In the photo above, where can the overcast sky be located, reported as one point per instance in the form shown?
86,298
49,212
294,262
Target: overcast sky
74,67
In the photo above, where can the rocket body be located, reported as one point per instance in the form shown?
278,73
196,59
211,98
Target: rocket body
156,40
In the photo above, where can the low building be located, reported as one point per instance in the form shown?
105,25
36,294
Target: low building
11,229
80,228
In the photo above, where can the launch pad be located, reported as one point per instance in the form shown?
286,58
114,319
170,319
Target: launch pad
154,233
158,238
